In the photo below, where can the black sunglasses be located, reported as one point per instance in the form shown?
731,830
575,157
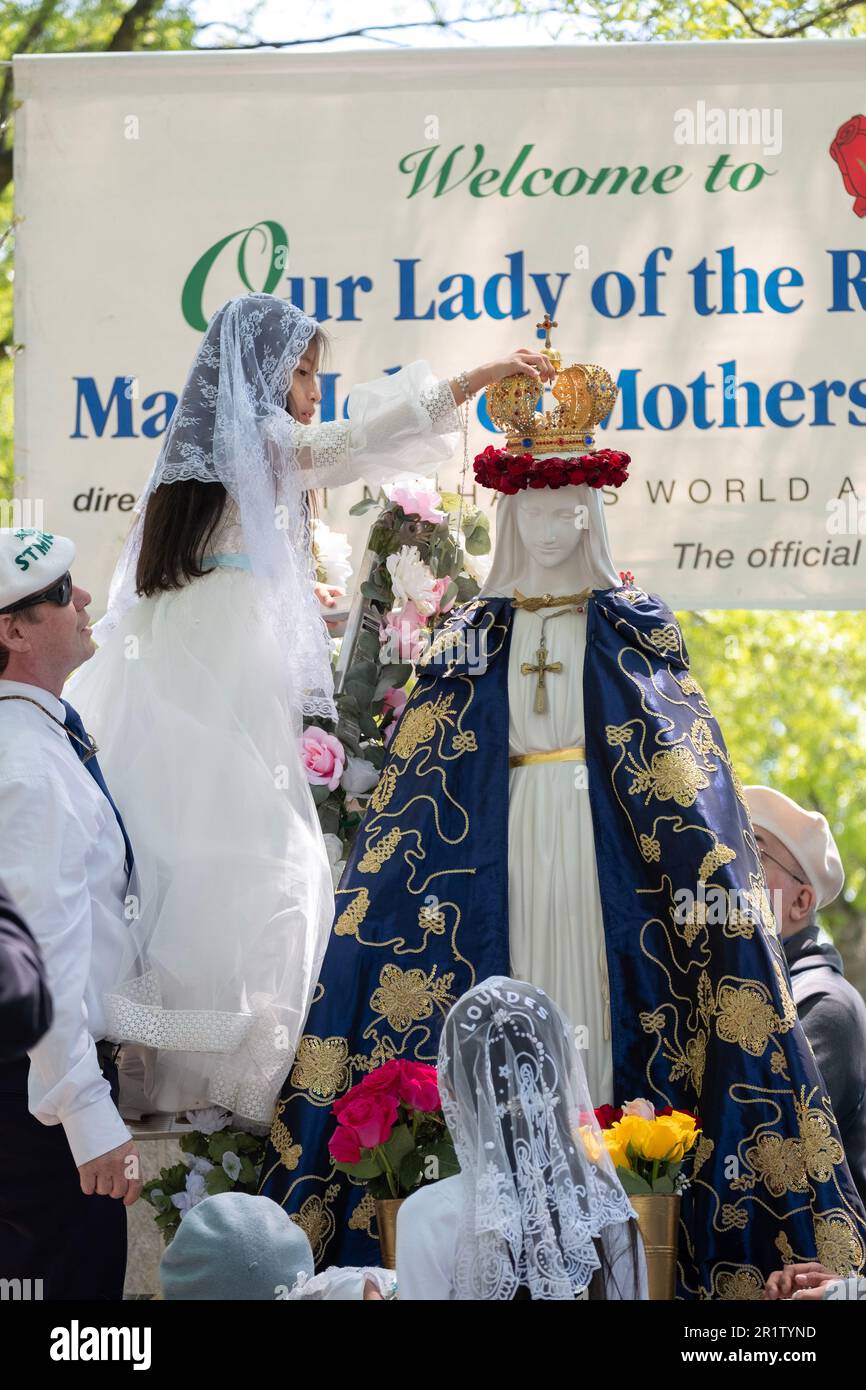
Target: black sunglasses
59,593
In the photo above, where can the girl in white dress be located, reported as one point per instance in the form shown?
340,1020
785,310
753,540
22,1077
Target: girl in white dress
536,1212
212,651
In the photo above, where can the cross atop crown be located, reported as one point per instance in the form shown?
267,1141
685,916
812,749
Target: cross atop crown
549,351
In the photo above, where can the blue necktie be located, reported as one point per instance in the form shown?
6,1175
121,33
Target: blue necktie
75,726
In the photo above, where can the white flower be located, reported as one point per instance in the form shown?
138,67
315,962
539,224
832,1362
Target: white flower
231,1165
196,1191
334,849
334,553
360,776
210,1120
412,580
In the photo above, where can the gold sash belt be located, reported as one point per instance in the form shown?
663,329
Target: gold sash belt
555,755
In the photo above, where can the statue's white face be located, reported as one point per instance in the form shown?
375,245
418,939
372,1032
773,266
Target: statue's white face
549,524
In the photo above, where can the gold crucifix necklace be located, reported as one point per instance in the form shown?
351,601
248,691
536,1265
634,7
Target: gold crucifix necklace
542,667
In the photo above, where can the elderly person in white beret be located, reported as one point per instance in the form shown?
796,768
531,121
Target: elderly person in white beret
804,874
68,1165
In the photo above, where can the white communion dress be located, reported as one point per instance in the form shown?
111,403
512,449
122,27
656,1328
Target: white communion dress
187,702
556,927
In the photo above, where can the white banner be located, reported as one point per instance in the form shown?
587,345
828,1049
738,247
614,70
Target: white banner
692,216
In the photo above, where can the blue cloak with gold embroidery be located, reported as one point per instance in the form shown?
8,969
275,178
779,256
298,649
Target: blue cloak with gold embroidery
702,1014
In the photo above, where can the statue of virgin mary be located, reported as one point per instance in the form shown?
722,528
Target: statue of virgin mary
556,789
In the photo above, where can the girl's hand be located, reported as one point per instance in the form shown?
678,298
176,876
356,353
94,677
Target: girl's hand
524,360
327,594
794,1278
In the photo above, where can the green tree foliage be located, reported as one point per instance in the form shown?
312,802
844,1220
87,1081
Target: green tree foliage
788,691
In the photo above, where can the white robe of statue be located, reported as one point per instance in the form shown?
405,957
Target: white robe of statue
555,542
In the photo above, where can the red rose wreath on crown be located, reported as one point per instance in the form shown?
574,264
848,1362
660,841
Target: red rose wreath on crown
585,396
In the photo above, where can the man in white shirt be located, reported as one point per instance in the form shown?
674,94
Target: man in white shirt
68,1166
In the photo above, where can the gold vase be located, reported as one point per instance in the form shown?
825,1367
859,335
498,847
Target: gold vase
386,1221
658,1217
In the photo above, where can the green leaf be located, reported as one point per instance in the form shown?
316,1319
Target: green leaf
634,1184
359,508
395,676
478,542
218,1180
400,1143
364,1170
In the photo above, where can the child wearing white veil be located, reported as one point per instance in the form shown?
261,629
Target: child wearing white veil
537,1211
212,652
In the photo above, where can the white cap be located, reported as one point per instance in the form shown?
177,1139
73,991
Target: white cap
805,834
31,561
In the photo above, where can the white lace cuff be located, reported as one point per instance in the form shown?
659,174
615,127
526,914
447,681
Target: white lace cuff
440,405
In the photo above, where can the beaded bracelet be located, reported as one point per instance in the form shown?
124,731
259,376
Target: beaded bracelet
463,382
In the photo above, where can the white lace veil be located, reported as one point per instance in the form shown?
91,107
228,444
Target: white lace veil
538,1184
222,432
592,562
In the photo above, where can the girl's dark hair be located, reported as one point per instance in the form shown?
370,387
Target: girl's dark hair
180,519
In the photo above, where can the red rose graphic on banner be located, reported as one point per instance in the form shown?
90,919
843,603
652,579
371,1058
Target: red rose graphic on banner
849,151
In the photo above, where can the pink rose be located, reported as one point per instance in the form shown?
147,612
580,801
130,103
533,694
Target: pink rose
644,1109
394,701
399,634
323,757
417,498
439,588
413,1083
343,1145
370,1116
420,1089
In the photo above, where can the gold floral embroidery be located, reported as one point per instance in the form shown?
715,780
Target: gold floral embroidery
778,1163
744,1283
671,775
703,1151
688,685
734,1217
405,997
290,1154
837,1244
706,1000
316,1219
442,642
379,853
618,735
745,1017
419,724
350,918
321,1066
778,1063
695,920
431,919
384,788
714,858
465,742
821,1150
363,1215
666,639
703,738
650,849
652,1022
785,1248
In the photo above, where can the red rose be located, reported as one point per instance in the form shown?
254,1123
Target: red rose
371,1116
608,1115
343,1145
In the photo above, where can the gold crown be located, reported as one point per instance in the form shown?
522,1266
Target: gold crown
585,395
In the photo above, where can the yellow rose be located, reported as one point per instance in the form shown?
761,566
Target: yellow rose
591,1143
615,1149
662,1143
632,1129
683,1126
